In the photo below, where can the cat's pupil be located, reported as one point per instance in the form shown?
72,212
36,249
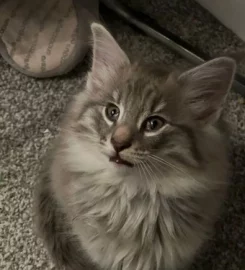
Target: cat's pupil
153,124
112,112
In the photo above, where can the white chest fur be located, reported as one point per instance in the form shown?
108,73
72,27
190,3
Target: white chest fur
122,228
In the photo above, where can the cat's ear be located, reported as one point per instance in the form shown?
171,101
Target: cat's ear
206,86
108,57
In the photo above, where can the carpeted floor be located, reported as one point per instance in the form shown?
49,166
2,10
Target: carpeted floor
30,110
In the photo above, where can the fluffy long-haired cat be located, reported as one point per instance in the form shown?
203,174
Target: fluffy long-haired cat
138,173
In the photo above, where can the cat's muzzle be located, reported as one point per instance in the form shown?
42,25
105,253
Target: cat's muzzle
117,159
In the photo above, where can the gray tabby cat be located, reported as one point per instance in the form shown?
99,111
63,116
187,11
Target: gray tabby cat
139,171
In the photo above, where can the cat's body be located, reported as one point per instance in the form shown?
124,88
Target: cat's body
124,193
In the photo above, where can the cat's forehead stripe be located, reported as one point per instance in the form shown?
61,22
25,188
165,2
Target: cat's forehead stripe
139,97
160,106
115,94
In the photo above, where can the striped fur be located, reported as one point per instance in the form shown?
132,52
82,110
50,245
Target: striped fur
157,214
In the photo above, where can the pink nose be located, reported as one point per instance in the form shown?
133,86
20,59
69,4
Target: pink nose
120,146
121,138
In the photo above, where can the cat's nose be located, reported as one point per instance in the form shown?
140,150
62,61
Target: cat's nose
120,146
121,138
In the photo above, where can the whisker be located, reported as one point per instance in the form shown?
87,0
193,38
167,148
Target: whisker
153,176
150,168
162,161
147,171
143,170
153,164
139,169
166,162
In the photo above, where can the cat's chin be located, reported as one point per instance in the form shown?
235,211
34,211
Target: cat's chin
119,166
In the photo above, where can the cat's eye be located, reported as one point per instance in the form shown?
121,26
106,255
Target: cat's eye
153,124
112,112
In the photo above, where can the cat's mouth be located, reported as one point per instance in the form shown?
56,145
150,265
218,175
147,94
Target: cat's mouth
118,160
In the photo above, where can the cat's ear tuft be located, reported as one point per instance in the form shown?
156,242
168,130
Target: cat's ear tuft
206,86
108,57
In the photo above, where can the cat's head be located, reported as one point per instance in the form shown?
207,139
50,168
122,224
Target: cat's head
138,115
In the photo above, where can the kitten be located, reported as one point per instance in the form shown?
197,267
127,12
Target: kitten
139,171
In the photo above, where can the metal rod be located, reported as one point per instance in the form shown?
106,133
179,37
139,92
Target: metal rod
174,43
